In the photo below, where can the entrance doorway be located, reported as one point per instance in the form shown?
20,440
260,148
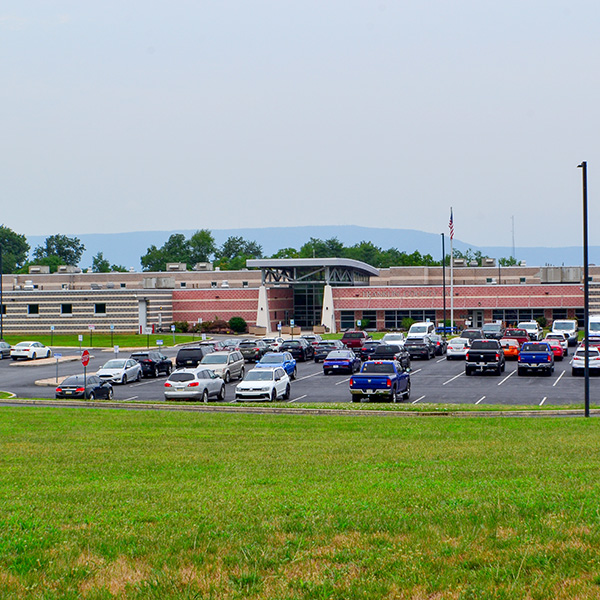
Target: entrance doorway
476,317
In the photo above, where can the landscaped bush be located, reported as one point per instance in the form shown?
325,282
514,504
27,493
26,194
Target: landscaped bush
406,323
215,326
542,322
238,325
181,326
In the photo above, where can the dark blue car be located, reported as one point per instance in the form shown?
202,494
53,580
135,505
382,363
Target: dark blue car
279,359
341,361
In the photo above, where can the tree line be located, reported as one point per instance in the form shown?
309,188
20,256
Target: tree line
201,247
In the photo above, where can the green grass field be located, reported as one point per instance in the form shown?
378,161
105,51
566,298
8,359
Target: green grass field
125,504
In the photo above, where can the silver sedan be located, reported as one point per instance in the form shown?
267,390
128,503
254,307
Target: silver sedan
194,384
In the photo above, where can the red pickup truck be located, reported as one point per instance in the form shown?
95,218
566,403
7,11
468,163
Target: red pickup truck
355,339
520,335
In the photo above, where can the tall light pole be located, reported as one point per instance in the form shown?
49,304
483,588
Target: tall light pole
586,290
1,299
444,284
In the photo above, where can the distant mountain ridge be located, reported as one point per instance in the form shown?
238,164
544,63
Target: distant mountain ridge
127,248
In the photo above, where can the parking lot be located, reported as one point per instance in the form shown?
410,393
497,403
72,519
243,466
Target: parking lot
433,381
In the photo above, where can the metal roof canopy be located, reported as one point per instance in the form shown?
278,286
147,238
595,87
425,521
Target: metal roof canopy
331,271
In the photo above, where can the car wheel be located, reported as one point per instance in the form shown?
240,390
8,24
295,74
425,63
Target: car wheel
394,395
295,373
124,380
14,358
325,372
33,356
468,372
356,397
498,370
111,394
139,375
205,396
227,377
520,371
288,389
273,395
92,396
155,373
406,394
242,373
48,354
221,395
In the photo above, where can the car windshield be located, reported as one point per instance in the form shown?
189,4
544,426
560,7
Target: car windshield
458,343
528,326
356,334
140,356
23,345
190,352
271,359
418,329
378,368
337,354
563,325
594,353
114,364
248,345
214,359
491,327
534,348
594,326
290,343
393,336
262,375
73,380
181,376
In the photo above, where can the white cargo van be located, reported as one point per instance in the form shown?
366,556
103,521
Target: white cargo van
421,329
568,326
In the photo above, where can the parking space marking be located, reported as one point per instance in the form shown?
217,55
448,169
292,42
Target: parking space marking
480,399
307,376
127,399
343,381
415,372
142,383
298,398
558,379
509,375
439,361
421,398
455,377
543,400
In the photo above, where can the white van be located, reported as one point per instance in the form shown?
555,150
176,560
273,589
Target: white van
594,325
568,326
421,329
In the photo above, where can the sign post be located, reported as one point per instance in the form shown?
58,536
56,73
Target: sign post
292,326
57,356
112,331
85,360
91,328
116,351
173,332
80,338
51,335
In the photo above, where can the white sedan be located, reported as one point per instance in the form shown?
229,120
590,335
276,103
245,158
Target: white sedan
30,350
121,370
269,384
457,348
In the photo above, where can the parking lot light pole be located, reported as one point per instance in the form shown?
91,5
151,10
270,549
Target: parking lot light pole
586,290
444,285
1,300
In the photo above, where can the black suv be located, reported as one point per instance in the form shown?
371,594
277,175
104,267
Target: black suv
391,352
189,357
253,350
153,363
300,349
421,347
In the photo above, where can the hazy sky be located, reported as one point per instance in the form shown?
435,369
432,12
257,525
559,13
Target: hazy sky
131,115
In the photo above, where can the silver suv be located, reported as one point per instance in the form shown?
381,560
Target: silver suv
227,364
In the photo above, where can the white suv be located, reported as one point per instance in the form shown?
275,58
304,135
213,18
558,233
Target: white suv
226,365
533,329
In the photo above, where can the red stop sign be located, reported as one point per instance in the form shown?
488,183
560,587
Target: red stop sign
85,358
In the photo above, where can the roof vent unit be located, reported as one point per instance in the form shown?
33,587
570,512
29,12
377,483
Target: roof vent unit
473,263
96,286
110,285
489,262
203,266
176,266
460,262
522,263
39,269
68,269
28,285
225,283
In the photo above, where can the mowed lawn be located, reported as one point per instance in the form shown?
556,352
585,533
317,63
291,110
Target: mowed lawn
135,504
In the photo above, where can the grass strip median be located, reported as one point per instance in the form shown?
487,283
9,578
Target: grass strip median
128,504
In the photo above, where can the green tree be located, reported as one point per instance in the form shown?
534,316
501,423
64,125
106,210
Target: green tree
511,261
286,253
234,252
49,261
175,249
68,249
14,249
202,246
100,264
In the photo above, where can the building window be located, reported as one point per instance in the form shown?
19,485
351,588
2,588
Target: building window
244,284
559,313
347,319
213,284
66,309
123,285
522,279
100,308
580,316
4,309
369,319
183,283
33,309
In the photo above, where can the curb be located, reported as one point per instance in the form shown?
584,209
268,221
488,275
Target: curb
46,361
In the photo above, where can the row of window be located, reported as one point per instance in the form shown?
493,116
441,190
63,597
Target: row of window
65,309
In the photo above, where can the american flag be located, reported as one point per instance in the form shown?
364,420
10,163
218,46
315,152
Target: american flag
451,225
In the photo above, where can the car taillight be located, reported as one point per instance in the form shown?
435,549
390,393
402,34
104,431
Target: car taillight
468,357
389,382
80,389
193,384
59,390
497,356
351,382
167,384
256,349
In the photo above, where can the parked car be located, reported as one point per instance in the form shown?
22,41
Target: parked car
563,338
537,357
228,345
227,365
556,347
393,338
517,334
510,347
472,334
190,357
493,331
30,350
279,359
253,350
568,326
273,343
380,379
270,384
121,370
89,387
312,338
4,350
578,361
341,360
422,329
457,348
367,349
153,363
299,348
420,347
395,352
354,339
485,355
200,383
324,347
533,329
439,343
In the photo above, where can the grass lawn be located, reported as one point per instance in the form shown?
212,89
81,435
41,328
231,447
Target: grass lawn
127,504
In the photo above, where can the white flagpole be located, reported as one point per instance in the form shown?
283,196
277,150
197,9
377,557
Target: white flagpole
451,272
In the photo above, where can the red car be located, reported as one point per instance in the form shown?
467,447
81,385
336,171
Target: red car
355,339
520,335
556,348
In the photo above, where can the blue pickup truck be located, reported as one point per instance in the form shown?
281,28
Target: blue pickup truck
535,356
385,379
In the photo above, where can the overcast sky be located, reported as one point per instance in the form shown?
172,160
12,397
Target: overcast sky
130,115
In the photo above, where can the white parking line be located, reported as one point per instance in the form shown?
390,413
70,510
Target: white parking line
558,379
421,398
142,383
415,372
441,359
543,400
343,381
132,398
455,377
480,399
298,398
509,375
307,376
